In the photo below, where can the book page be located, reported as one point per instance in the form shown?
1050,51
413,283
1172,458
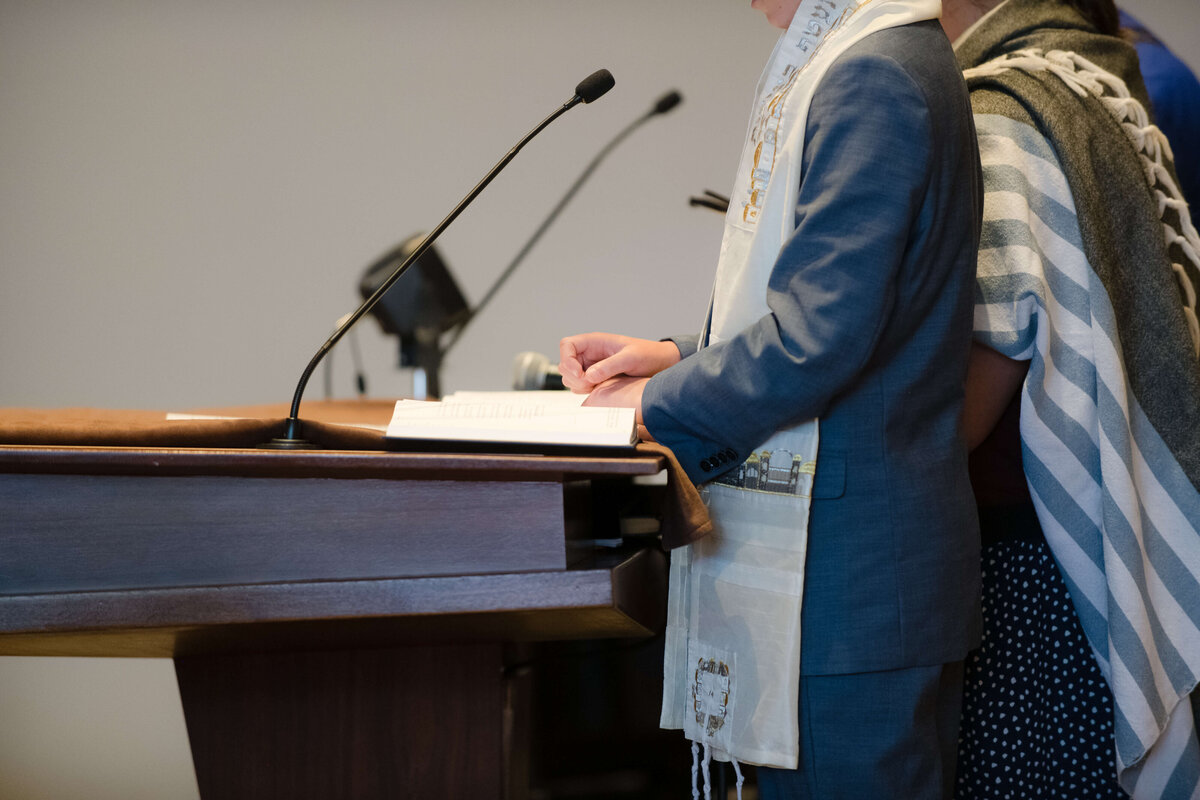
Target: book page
524,421
532,396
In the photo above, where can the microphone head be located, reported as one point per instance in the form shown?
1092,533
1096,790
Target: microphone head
668,101
594,85
534,371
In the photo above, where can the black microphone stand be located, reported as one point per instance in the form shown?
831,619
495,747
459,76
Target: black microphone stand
664,104
589,89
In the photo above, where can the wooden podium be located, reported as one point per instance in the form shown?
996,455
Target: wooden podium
343,623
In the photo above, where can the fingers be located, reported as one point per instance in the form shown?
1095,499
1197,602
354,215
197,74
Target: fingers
608,368
571,367
589,359
577,385
578,353
578,376
638,358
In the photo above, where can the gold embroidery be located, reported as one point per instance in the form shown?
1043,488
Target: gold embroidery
766,129
710,694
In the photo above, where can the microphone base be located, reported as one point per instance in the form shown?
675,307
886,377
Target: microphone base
288,444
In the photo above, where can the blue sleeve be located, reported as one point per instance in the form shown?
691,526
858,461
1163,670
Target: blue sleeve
687,345
866,166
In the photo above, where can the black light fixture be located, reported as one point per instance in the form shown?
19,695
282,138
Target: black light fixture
418,309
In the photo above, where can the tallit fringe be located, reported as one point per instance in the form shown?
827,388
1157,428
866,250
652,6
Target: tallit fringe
699,766
1084,77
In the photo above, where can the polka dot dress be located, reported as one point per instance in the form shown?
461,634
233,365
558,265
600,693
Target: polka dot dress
1037,714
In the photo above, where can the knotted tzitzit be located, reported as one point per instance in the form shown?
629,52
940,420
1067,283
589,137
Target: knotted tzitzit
699,766
1084,77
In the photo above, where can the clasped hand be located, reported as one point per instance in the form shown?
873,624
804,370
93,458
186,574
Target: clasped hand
612,369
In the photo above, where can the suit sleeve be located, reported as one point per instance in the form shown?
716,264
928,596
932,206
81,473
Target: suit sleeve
686,345
866,165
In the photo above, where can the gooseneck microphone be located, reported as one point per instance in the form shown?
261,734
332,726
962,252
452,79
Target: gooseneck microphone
663,105
593,87
589,89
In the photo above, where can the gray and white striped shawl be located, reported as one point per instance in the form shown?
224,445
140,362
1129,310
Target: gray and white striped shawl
1110,418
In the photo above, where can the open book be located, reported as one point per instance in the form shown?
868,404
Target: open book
533,418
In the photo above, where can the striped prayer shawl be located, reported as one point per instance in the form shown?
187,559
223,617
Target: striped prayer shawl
1076,276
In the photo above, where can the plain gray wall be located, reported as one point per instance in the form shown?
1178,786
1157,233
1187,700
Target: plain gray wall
189,192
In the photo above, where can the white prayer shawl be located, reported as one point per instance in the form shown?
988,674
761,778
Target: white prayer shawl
732,665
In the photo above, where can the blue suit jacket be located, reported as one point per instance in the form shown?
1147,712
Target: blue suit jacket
869,330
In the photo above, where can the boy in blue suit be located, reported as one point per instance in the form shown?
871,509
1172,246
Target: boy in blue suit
865,324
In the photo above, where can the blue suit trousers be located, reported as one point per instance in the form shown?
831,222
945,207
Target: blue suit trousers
874,736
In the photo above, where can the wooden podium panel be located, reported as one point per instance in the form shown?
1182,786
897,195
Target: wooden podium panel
231,521
342,622
614,594
400,722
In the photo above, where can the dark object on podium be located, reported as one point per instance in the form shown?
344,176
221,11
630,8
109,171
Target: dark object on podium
419,309
341,621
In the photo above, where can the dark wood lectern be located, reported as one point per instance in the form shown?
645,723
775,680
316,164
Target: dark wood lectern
343,623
